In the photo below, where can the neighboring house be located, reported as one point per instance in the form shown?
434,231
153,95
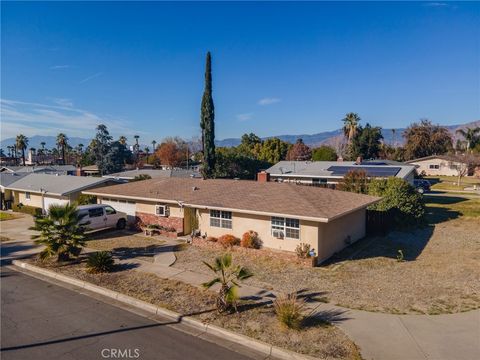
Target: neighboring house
330,173
6,180
129,175
91,170
43,190
284,215
41,169
441,165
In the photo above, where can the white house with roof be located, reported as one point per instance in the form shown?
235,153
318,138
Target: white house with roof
332,172
43,190
441,165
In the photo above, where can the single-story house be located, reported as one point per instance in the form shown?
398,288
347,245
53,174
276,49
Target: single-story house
6,180
130,175
41,169
284,215
43,190
441,165
330,173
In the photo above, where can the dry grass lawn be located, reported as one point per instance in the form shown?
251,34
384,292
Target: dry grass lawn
318,338
439,273
451,182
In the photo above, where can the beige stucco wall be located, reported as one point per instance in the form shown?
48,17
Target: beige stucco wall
445,167
242,223
332,236
35,198
149,208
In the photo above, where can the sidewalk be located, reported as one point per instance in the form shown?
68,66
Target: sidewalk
379,336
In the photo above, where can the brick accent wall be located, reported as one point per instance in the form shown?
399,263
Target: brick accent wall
167,221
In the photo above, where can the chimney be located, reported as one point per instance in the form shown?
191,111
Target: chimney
359,161
79,171
263,176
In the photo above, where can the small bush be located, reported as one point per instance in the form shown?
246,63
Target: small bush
27,209
289,310
400,256
100,262
212,239
250,240
84,199
228,240
303,250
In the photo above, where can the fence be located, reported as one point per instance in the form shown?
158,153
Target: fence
380,222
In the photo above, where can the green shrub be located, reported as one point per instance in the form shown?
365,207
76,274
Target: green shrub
31,210
398,194
289,310
84,199
250,240
228,240
100,262
303,250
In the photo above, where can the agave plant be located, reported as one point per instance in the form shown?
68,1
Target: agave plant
99,262
61,231
228,276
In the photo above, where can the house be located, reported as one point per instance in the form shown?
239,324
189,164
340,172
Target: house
43,190
284,215
91,170
7,179
330,173
40,169
130,175
441,165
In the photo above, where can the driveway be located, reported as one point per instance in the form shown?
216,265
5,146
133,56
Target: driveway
18,231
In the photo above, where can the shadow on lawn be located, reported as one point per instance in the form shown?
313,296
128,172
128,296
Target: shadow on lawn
411,243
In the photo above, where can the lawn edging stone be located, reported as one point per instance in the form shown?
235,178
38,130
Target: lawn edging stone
246,341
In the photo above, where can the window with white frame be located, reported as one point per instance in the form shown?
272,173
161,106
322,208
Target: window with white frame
27,195
434,166
221,219
285,228
161,210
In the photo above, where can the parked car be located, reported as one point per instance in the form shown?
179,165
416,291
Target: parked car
421,185
100,216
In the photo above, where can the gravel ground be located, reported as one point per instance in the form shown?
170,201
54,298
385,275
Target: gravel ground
439,273
318,338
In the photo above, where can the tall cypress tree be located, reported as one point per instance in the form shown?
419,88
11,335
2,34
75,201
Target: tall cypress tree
207,123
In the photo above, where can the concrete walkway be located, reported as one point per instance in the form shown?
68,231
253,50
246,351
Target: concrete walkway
379,336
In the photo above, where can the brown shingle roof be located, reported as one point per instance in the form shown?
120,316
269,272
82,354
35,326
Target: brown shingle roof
246,196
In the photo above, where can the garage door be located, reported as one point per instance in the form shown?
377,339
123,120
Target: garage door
47,201
128,207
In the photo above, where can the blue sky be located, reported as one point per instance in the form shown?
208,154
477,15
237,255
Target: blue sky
278,68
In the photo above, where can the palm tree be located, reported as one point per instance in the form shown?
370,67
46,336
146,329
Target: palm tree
228,277
62,141
393,137
136,148
147,150
154,147
22,143
470,135
122,140
350,125
43,143
61,231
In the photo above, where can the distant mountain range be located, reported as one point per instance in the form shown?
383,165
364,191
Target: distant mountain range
329,137
312,140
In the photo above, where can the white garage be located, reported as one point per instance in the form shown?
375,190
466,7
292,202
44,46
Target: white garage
126,206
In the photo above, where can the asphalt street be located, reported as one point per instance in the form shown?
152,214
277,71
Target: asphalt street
40,320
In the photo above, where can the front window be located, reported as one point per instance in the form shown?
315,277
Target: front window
161,210
109,210
285,227
27,195
221,219
435,167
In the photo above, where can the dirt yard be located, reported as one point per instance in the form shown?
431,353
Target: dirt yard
439,271
318,338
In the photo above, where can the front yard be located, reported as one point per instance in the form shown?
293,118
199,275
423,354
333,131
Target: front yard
451,182
318,337
439,272
6,216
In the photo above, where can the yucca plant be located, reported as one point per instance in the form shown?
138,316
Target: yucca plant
61,232
289,310
229,276
99,262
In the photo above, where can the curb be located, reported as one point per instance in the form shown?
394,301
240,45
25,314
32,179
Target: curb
246,341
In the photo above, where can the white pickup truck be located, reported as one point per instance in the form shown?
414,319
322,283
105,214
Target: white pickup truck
102,217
